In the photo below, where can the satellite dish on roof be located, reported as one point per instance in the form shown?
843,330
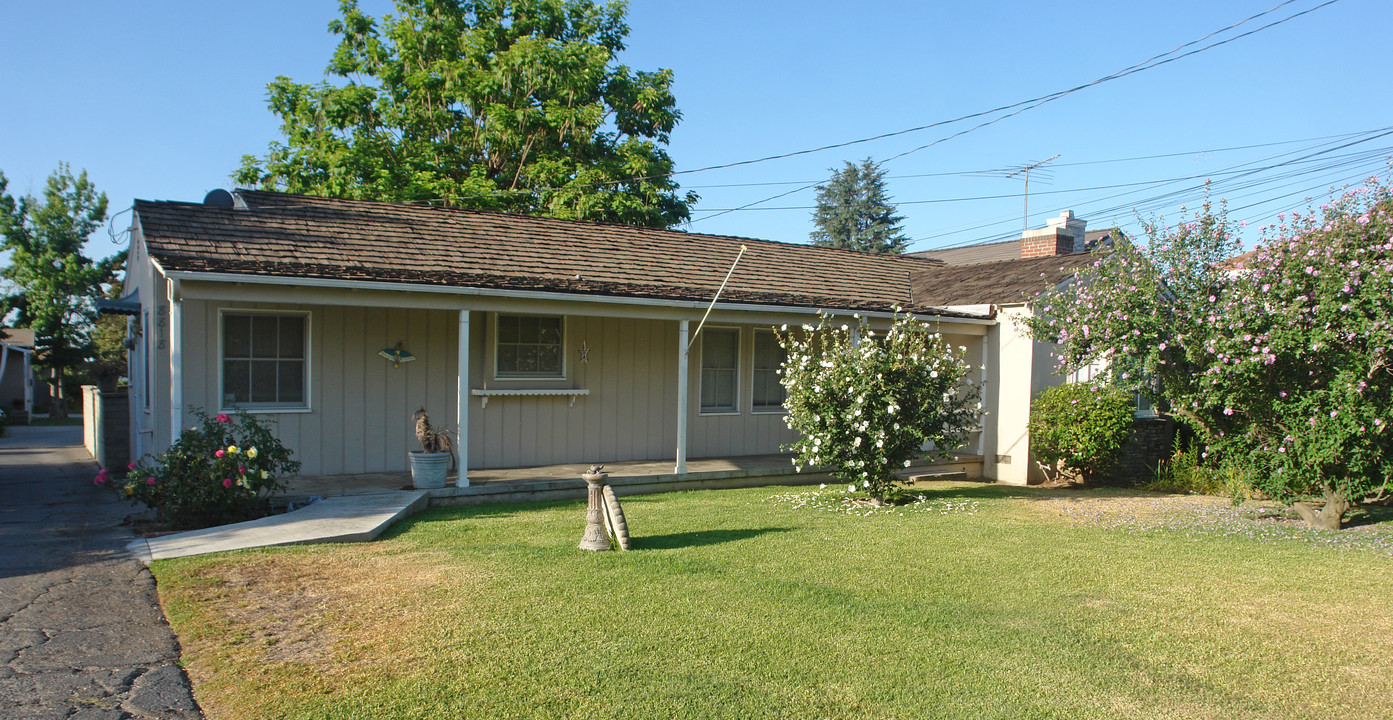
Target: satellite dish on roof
219,198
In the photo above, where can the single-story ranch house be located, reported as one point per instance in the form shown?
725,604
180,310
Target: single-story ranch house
548,341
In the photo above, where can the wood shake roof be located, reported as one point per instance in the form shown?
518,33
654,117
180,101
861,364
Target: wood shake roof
1000,283
285,235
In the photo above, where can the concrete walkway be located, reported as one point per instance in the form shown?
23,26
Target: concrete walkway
346,518
81,632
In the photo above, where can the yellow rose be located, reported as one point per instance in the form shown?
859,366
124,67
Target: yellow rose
232,450
251,452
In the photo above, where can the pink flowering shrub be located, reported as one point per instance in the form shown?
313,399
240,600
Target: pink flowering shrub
1282,364
222,470
864,411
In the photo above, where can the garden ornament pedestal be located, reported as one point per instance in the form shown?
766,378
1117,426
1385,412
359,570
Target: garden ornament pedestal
595,537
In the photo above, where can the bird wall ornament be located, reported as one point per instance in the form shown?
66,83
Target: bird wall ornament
396,355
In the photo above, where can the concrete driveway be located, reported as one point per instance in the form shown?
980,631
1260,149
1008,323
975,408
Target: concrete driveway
81,631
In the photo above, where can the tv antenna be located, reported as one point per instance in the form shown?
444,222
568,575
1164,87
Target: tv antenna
1026,171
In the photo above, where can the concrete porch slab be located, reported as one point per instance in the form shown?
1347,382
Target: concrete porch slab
344,518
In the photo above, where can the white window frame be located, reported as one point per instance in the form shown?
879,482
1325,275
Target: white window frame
701,371
782,409
565,364
263,408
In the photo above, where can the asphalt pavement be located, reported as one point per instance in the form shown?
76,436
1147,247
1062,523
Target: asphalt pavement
81,631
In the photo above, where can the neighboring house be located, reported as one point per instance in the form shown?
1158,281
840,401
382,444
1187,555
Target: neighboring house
549,341
1011,249
17,378
1002,278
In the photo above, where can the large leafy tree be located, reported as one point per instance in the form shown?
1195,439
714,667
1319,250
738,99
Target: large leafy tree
53,283
1285,364
515,105
853,211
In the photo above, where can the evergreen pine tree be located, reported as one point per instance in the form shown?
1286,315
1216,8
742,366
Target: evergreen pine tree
853,212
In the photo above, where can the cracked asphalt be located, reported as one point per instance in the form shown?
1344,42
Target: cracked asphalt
81,631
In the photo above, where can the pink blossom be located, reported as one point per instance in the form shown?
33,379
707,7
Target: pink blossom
220,453
131,466
149,481
222,418
227,482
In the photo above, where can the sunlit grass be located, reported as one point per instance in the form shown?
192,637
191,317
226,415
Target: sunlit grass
986,602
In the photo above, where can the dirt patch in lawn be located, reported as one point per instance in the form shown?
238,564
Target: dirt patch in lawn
334,611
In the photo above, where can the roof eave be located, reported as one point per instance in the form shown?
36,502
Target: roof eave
331,283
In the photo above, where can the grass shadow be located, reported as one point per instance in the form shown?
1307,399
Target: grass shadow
673,541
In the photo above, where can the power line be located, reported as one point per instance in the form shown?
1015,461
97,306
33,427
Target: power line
1024,105
1228,183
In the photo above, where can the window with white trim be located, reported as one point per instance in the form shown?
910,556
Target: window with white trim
264,360
720,370
529,346
768,392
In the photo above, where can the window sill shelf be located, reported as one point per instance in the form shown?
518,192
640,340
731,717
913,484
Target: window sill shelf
570,394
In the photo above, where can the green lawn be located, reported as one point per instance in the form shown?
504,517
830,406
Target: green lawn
981,602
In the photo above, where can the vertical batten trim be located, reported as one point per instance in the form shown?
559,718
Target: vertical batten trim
682,348
462,401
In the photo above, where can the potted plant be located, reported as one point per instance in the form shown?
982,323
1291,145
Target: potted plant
431,463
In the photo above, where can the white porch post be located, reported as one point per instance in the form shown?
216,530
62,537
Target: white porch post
982,390
681,468
176,362
462,401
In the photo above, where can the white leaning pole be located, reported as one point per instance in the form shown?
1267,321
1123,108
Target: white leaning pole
685,346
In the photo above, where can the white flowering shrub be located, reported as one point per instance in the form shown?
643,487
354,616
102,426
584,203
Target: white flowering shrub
865,410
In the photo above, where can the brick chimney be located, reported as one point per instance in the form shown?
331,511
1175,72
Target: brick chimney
1063,235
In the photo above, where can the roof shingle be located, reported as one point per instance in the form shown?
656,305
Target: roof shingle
302,236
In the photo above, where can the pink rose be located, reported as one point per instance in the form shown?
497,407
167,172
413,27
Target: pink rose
99,479
227,482
131,466
222,418
149,481
220,453
242,470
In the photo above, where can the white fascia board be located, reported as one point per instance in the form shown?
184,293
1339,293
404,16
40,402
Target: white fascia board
331,283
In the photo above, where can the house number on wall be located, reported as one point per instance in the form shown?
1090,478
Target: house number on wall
162,328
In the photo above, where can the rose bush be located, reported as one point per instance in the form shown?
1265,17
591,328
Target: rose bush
864,410
222,470
1283,363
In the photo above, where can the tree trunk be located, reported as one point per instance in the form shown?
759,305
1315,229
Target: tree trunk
57,404
1328,517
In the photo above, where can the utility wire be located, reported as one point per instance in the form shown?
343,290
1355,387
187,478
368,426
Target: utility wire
1144,65
1227,183
1024,105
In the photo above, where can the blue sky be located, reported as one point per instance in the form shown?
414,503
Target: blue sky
159,101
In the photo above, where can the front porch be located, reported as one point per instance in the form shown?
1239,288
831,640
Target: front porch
637,477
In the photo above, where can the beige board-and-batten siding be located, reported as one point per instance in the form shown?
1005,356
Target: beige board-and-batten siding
630,412
360,406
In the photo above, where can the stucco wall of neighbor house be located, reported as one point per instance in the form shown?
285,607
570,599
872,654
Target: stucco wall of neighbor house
12,384
1021,368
